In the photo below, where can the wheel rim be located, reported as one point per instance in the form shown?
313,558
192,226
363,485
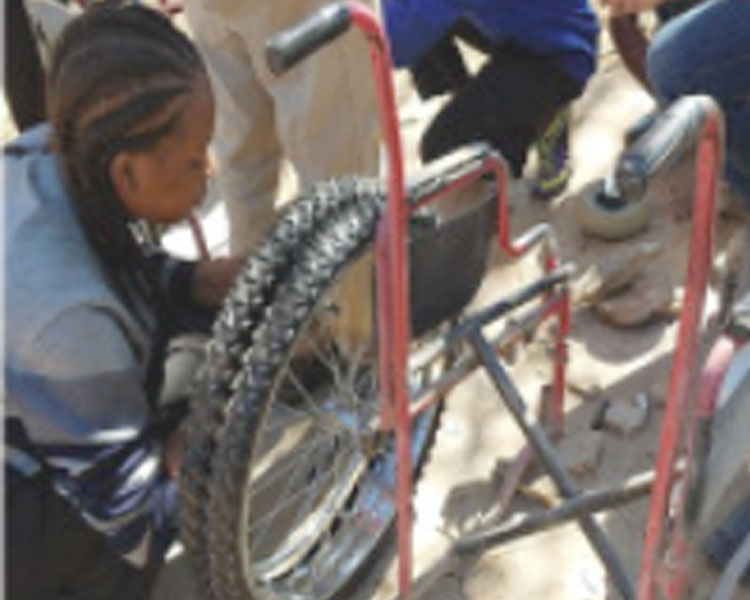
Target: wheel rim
319,493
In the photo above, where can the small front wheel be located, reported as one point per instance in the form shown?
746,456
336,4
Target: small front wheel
615,221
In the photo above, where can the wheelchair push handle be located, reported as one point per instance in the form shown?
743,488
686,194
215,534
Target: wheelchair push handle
288,47
674,133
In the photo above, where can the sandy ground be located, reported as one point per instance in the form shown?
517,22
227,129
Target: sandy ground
477,437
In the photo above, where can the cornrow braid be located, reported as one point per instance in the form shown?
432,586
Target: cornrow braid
114,81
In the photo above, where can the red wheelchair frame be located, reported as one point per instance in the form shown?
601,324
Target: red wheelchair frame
664,561
666,549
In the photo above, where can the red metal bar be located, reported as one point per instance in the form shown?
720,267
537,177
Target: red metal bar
708,170
392,276
392,273
507,245
452,186
557,408
673,576
486,166
560,362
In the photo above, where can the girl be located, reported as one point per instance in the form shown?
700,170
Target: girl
89,454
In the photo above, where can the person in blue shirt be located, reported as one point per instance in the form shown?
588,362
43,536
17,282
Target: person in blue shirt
90,453
540,55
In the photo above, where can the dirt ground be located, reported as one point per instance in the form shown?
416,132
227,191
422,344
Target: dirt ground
477,437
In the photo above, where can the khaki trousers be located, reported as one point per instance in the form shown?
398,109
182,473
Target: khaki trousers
321,116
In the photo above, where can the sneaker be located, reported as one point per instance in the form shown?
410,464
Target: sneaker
552,149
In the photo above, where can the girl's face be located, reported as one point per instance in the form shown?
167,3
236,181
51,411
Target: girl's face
163,184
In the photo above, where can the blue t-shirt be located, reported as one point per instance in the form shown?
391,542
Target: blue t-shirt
564,28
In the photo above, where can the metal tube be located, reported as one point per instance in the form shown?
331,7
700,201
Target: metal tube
547,455
583,504
708,169
392,275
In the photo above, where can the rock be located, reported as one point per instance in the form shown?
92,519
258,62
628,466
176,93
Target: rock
581,377
627,417
597,421
582,452
542,490
659,391
615,272
650,297
583,380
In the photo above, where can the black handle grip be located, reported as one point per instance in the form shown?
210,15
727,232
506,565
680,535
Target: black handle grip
673,133
288,47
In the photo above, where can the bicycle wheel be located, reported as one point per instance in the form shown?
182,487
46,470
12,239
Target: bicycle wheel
232,334
303,487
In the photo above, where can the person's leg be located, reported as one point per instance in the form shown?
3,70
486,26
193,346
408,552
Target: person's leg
325,108
707,51
245,143
57,556
24,76
441,70
327,123
26,576
506,104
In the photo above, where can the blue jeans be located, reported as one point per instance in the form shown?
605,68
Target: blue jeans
707,51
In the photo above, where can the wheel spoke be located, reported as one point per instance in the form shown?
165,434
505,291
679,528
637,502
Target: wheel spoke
284,494
329,362
278,472
309,400
301,535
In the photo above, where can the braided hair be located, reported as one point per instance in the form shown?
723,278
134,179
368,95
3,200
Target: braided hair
115,76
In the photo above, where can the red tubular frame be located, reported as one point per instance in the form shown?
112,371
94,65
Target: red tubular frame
671,574
393,288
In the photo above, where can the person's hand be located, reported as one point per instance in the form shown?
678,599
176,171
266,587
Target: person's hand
213,278
627,7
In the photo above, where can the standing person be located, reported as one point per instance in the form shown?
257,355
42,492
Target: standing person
540,55
90,456
321,116
24,74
